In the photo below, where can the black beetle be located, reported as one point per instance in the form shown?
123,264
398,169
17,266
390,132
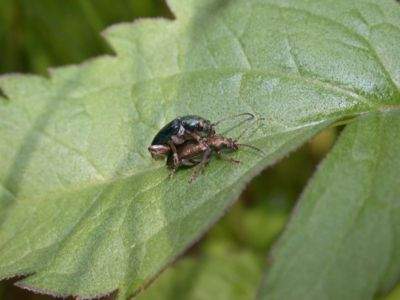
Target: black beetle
180,130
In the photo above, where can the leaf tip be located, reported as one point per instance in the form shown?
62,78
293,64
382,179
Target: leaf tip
118,36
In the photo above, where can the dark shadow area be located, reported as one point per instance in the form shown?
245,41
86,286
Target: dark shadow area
3,95
12,292
8,291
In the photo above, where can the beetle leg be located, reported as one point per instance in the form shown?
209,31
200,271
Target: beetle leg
194,135
175,156
188,162
172,172
205,159
194,162
177,140
221,156
174,165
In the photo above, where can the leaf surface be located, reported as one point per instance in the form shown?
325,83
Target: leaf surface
84,210
343,240
226,274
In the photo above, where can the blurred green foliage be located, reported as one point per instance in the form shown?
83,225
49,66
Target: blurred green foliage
218,273
35,35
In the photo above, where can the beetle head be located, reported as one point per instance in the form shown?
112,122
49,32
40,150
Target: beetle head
233,144
206,126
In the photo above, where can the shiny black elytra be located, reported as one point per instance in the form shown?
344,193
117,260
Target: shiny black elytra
177,128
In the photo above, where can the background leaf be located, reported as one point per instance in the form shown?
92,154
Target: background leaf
343,237
220,274
35,35
84,208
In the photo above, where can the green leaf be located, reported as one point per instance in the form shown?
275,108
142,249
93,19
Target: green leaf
84,210
393,295
342,243
224,274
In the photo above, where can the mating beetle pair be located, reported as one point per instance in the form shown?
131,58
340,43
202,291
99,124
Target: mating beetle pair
177,132
190,140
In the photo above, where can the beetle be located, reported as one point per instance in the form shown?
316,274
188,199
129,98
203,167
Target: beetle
180,130
199,153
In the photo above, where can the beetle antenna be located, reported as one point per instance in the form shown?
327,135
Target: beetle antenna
252,147
249,115
248,128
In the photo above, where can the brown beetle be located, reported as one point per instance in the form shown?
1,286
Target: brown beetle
193,153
